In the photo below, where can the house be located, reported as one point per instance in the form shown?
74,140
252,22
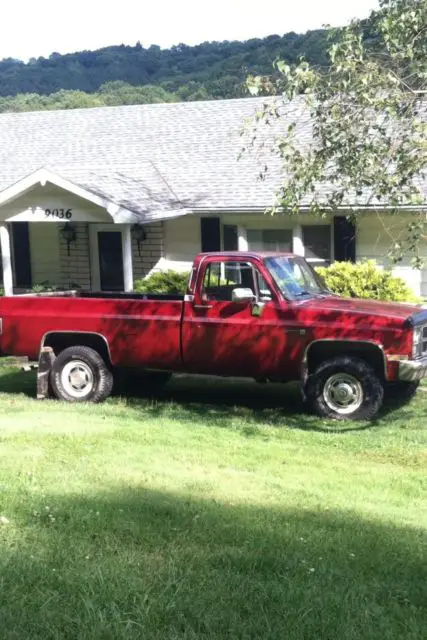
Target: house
98,198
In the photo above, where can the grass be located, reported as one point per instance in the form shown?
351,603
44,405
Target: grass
214,510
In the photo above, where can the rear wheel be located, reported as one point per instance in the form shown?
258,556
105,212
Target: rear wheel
345,388
79,374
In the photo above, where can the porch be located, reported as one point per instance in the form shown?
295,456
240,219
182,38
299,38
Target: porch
52,236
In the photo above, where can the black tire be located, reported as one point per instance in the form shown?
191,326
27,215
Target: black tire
400,393
90,373
352,377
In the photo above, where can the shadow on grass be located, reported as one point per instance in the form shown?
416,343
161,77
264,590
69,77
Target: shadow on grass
220,402
137,563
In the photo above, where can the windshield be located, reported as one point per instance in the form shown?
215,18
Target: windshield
294,277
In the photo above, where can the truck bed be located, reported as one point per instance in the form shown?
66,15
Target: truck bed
142,330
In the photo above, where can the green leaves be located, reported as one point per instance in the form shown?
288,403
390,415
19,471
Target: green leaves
365,280
369,119
170,281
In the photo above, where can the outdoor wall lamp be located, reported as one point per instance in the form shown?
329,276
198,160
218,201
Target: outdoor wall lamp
139,235
68,234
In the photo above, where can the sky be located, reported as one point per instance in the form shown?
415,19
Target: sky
38,28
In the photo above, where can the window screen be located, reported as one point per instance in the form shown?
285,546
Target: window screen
270,239
317,243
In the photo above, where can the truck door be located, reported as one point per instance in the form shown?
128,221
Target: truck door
225,336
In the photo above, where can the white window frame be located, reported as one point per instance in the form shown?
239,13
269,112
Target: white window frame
298,247
319,261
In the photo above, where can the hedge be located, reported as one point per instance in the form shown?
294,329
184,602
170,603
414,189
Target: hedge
366,280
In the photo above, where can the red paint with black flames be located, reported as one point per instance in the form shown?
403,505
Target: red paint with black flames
287,328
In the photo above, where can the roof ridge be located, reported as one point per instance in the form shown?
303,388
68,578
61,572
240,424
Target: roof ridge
147,106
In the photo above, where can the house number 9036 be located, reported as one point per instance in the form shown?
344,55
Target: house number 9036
66,214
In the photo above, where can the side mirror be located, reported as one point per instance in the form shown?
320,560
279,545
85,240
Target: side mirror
243,294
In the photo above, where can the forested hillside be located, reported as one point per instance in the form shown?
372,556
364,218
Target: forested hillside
135,75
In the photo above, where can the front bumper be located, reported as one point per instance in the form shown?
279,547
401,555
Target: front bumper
412,370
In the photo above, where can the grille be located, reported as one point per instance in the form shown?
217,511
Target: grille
420,342
424,342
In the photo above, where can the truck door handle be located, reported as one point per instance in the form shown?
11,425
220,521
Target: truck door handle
203,306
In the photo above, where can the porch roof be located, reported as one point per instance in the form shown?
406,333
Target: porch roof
101,190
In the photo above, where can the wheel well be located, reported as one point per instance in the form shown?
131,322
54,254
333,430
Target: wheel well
370,353
59,341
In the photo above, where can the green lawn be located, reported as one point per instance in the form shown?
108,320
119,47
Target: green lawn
215,510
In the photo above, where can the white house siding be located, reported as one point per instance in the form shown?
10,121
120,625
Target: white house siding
31,207
44,251
152,249
375,235
182,243
264,221
183,238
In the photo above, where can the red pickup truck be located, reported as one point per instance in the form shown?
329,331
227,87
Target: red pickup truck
266,316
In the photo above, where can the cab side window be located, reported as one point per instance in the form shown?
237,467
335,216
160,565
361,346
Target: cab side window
221,278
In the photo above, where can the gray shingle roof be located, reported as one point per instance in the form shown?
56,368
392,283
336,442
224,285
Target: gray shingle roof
156,160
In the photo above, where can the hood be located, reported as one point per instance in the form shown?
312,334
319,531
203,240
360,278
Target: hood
392,310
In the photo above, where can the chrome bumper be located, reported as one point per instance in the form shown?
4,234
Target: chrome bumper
412,370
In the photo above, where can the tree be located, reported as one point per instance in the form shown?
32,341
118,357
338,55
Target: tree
208,62
368,113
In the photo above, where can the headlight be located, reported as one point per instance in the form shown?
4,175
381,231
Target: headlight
417,345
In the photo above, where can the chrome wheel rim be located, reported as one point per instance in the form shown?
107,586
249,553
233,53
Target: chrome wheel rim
77,379
343,393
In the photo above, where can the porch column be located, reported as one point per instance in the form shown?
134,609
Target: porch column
242,239
127,258
6,260
297,241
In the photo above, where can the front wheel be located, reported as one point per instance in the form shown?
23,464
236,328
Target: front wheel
345,388
79,374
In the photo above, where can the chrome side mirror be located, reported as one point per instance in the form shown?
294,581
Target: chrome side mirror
242,294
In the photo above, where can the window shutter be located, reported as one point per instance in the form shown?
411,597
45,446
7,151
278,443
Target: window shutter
210,234
21,254
344,240
231,241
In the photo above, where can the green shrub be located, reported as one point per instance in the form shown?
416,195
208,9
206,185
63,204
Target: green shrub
366,280
163,282
46,287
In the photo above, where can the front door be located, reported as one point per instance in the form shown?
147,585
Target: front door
110,251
